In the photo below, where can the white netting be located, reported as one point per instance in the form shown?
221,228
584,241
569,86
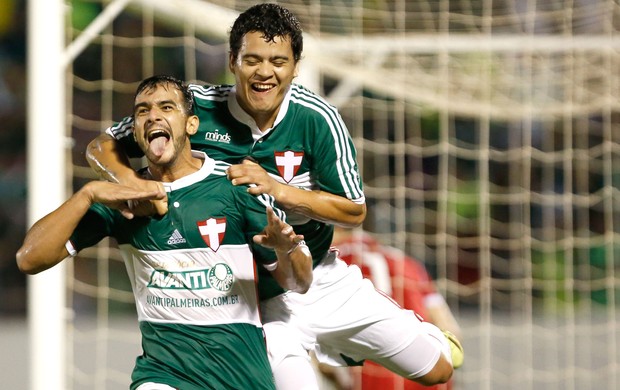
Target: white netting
489,141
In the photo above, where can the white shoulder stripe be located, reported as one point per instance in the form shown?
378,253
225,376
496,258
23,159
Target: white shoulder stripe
344,149
220,168
122,129
210,92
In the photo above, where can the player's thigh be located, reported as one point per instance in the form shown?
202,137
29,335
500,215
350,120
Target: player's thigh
283,342
377,339
340,300
290,362
398,342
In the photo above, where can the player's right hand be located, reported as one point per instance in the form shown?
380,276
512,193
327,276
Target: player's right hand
117,196
147,208
278,234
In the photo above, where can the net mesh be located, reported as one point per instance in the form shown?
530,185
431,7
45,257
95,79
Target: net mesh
489,143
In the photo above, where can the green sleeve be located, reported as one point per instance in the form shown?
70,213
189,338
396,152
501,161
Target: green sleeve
96,224
123,133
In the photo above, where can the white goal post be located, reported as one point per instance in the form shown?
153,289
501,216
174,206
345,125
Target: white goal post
47,184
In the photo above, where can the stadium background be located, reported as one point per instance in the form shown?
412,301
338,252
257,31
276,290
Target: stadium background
488,139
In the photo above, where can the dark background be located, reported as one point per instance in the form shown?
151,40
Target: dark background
12,153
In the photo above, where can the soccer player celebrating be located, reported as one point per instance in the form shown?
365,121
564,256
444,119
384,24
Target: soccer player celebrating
289,143
192,270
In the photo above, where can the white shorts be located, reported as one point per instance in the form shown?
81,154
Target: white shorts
154,386
345,320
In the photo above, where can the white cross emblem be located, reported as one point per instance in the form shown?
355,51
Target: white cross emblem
212,231
288,163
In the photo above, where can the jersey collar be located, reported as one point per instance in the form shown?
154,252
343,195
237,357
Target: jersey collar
186,181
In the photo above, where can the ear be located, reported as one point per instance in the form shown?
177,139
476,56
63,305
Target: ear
296,71
231,63
191,126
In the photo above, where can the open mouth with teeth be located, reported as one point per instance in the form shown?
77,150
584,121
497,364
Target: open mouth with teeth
157,140
262,87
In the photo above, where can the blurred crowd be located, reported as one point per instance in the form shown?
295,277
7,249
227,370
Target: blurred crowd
12,152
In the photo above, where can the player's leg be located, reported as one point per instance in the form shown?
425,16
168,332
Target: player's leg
337,316
288,321
401,343
365,324
421,351
290,362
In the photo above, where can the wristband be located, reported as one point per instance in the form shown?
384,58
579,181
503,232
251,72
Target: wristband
271,267
300,243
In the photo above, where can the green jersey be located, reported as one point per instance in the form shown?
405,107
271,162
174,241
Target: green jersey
308,147
193,275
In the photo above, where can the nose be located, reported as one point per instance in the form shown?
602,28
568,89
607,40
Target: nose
265,69
154,115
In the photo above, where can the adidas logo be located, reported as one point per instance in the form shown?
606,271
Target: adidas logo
176,238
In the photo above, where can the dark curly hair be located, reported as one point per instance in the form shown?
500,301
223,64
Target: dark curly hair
155,81
272,20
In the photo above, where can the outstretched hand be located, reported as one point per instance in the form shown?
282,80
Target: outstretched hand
278,234
249,172
117,196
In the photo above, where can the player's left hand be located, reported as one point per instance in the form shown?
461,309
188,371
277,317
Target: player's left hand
278,234
249,172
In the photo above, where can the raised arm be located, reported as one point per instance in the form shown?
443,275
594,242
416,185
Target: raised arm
318,205
44,244
293,271
107,158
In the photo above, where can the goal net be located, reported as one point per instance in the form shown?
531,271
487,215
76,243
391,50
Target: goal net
488,135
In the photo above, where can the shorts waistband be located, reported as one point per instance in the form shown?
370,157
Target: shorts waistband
327,265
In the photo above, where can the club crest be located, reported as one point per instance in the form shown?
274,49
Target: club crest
288,163
212,231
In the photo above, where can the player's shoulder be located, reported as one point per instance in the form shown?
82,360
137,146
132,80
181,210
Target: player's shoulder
210,92
219,173
212,170
220,168
306,100
216,184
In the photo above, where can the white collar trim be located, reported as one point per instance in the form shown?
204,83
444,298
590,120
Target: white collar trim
207,168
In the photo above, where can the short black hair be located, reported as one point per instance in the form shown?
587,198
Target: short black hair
272,20
157,80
